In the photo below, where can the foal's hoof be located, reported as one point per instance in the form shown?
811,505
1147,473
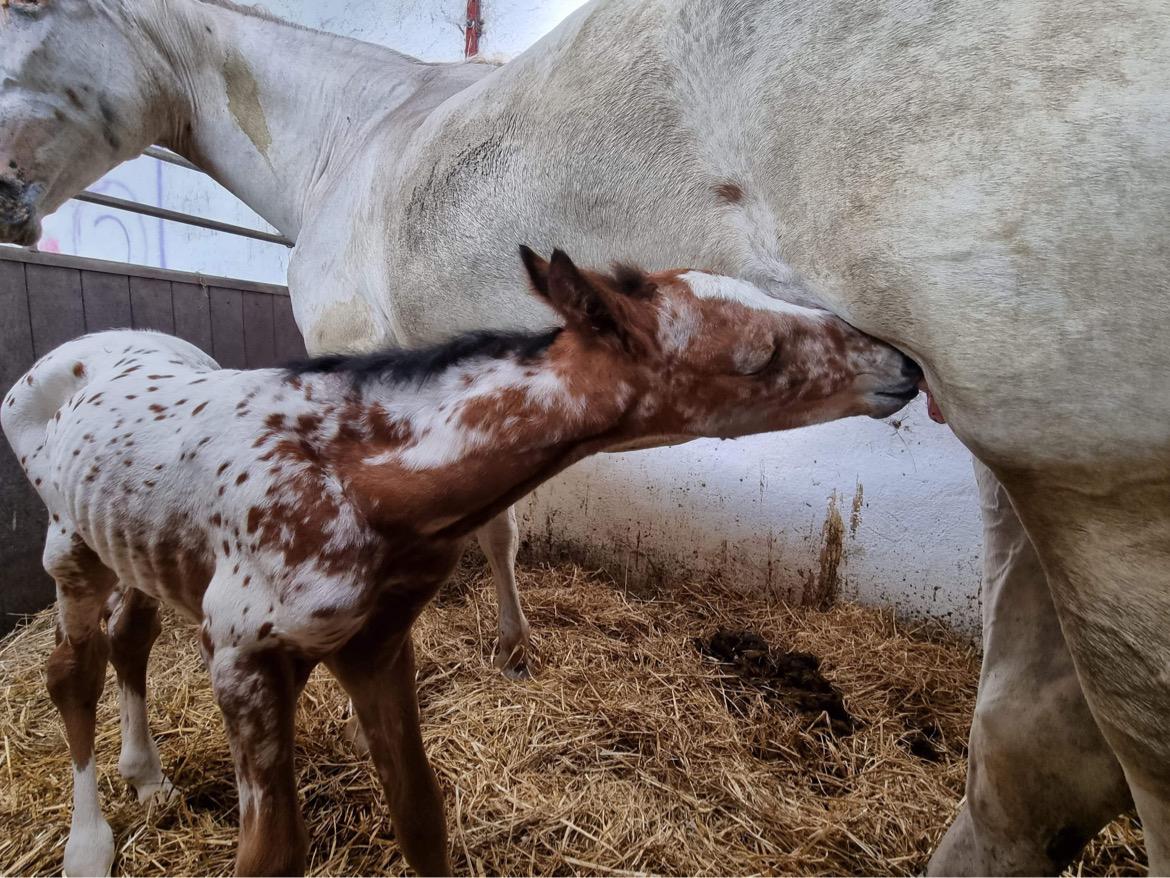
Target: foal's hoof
517,672
89,850
351,730
156,793
513,662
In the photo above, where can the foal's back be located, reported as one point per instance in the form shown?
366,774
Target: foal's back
148,455
102,426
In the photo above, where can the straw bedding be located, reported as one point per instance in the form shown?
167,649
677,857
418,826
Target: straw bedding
833,746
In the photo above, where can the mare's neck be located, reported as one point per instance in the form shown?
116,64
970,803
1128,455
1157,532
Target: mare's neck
274,112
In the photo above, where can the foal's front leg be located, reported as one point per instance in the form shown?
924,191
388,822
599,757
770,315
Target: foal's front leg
379,677
257,691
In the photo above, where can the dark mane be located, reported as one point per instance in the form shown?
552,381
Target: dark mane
633,282
419,365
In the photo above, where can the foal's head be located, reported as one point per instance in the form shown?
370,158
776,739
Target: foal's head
716,356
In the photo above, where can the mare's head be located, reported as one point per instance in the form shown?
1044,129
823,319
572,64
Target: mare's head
79,93
715,356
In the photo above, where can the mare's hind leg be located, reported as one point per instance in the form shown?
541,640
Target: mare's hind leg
1107,555
378,672
1042,780
75,675
133,627
499,539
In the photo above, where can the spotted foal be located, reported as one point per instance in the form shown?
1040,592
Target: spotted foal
307,515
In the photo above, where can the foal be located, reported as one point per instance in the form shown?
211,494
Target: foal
306,516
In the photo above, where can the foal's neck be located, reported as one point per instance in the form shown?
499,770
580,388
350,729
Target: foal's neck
481,437
274,112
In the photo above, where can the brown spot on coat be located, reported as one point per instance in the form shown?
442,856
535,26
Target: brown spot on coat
731,193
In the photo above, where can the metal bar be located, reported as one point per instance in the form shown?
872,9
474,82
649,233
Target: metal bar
176,217
165,155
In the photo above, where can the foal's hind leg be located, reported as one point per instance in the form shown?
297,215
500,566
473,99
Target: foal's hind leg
75,675
133,628
499,539
378,673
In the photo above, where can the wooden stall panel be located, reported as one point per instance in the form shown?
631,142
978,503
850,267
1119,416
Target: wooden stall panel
290,345
259,330
227,327
56,311
192,309
106,299
150,304
26,586
16,347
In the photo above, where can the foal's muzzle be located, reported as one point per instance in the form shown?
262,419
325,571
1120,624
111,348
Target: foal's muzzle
18,212
899,392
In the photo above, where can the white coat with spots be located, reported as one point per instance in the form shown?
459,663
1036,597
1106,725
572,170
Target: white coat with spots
306,516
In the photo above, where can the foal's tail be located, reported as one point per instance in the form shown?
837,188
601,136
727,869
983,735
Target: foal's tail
39,393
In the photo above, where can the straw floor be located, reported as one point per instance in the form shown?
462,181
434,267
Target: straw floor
631,751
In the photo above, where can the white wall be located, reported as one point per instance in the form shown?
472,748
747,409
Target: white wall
894,500
754,510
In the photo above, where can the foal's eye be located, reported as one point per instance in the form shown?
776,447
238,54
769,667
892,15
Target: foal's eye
766,361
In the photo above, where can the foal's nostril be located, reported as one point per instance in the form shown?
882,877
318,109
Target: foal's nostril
910,369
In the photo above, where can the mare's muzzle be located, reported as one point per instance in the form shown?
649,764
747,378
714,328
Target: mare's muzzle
18,212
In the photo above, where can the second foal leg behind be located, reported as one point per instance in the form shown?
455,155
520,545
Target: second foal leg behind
500,539
378,673
133,628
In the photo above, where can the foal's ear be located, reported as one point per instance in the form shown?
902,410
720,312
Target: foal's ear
537,269
579,300
586,304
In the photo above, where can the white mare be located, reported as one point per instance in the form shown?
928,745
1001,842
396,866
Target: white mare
985,185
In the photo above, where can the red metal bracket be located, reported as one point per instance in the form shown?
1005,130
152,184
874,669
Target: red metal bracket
474,29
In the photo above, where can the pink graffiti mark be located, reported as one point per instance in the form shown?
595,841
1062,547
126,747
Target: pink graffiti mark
49,245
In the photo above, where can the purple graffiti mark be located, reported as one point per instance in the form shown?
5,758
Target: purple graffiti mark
110,218
105,186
